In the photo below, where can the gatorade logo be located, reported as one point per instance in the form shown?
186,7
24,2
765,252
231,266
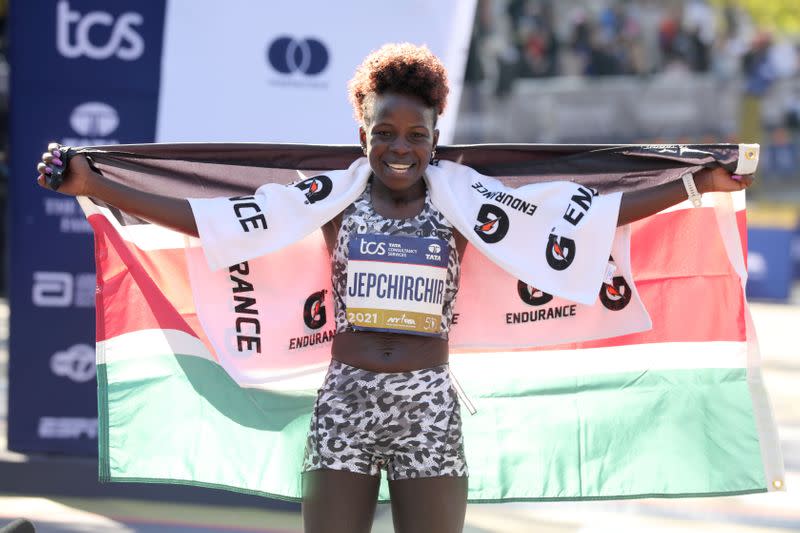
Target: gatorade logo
314,314
617,295
493,224
316,188
74,34
560,252
531,295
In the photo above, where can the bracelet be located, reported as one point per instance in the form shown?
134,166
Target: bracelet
691,190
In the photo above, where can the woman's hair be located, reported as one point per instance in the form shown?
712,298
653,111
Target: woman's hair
402,68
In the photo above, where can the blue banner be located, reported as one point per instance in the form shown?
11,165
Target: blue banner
85,72
769,262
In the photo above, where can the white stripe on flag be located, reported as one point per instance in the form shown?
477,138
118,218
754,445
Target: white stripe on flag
145,236
150,342
712,200
607,360
543,364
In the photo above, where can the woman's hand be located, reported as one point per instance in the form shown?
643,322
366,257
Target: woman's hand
82,180
79,178
720,180
637,205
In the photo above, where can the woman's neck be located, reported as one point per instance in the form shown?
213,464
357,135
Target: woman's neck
398,204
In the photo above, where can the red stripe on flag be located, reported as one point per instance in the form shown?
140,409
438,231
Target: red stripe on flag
679,243
685,280
141,289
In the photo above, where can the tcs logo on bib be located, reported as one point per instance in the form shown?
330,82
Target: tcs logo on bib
74,34
372,248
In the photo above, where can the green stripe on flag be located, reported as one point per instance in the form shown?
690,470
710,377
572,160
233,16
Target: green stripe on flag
181,419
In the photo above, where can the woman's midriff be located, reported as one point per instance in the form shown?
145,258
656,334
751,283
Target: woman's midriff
388,352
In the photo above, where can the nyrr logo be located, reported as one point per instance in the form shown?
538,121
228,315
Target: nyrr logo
124,42
316,188
617,295
305,56
93,122
314,314
492,224
560,252
75,363
531,295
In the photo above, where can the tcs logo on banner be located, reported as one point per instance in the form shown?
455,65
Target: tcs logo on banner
81,35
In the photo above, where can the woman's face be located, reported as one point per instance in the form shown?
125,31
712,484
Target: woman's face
399,139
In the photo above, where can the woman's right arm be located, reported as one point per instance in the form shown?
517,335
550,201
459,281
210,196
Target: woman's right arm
81,180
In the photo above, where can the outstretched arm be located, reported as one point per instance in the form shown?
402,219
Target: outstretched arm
82,180
643,203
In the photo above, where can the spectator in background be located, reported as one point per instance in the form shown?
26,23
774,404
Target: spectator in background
699,27
536,38
545,38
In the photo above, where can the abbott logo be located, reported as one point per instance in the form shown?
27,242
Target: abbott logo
75,363
94,119
52,289
124,42
307,56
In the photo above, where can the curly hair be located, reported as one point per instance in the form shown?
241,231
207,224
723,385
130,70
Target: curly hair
402,68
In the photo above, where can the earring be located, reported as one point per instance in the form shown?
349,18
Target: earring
364,149
433,157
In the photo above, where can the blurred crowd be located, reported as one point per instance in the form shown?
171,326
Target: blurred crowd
542,38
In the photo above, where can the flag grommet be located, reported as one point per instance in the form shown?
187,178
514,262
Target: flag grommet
778,484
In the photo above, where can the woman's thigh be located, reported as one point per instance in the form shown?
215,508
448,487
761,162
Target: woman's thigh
429,505
337,501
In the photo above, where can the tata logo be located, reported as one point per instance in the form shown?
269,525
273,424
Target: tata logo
372,248
493,223
560,252
74,31
314,314
434,252
288,55
94,119
76,363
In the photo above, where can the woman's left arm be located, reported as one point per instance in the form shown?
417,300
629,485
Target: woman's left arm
643,203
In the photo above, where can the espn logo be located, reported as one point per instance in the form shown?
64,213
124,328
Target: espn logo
52,427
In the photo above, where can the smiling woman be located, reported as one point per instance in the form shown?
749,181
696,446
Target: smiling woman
387,401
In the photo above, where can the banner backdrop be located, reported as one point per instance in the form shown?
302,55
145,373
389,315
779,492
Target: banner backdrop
92,72
84,72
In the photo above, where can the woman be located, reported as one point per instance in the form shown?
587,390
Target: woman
387,401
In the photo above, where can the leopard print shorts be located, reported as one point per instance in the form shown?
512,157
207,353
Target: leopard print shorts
406,422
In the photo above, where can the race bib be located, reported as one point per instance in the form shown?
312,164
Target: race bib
396,283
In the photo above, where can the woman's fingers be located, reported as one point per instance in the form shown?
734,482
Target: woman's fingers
53,146
43,169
